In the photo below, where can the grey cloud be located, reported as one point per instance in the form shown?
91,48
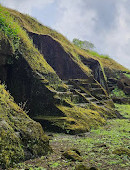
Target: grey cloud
105,10
105,23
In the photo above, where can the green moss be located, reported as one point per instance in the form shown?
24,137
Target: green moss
10,29
127,75
122,151
118,93
23,46
18,133
94,53
124,109
31,24
84,118
70,154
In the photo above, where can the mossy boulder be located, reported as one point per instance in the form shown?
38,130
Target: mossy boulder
72,155
21,138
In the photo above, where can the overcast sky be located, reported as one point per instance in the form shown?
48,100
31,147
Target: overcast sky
106,23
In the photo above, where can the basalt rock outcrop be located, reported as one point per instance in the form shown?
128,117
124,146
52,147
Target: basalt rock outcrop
61,61
57,82
60,86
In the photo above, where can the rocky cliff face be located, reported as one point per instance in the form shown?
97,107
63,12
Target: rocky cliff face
30,79
63,63
57,84
54,53
24,84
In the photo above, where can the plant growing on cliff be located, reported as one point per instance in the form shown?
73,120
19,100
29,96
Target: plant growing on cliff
9,28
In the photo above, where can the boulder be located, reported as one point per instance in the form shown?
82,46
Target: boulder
21,138
72,155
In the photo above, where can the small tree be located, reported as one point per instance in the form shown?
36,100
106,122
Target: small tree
85,45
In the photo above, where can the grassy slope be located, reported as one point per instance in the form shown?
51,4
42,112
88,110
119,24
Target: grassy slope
20,41
31,24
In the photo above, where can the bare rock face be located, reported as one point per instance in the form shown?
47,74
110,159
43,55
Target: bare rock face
21,138
5,53
63,63
95,66
57,57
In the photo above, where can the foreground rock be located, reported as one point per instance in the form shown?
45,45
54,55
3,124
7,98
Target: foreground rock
21,138
72,155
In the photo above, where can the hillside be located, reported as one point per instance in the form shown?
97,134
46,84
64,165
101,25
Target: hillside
64,88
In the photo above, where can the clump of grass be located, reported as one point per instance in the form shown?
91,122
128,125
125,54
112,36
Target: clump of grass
9,28
94,53
127,75
124,109
117,93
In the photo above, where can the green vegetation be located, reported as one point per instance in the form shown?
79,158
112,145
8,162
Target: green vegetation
118,93
124,109
105,148
9,27
23,46
94,53
84,119
13,20
127,75
31,24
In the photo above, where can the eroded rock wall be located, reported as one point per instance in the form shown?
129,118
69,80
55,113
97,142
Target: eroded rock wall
96,68
57,57
25,85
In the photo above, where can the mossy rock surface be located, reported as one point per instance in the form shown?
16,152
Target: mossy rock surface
72,155
21,138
